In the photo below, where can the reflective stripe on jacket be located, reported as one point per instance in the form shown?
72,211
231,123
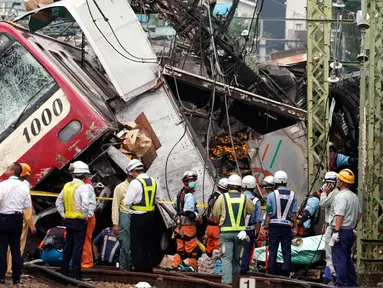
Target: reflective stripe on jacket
283,201
235,204
71,211
149,189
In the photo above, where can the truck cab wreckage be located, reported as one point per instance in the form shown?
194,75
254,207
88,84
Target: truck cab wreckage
215,116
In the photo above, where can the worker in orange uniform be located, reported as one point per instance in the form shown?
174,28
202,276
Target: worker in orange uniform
28,221
212,230
87,253
187,215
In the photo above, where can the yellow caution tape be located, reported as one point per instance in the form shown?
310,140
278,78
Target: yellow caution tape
51,194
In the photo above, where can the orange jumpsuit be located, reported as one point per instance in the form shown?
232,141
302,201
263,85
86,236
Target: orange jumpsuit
186,238
87,253
212,230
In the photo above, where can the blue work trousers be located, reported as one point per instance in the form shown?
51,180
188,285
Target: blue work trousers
283,235
247,251
341,258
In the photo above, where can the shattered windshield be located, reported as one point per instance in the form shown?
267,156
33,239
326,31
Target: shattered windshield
23,81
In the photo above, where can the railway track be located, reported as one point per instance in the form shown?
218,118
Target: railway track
112,277
52,278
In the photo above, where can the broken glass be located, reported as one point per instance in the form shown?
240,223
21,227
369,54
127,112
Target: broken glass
23,81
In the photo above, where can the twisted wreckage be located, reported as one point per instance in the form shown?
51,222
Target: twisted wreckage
213,116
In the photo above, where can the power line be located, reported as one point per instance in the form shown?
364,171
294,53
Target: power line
107,40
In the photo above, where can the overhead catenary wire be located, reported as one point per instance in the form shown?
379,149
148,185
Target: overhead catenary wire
143,60
115,36
229,128
167,160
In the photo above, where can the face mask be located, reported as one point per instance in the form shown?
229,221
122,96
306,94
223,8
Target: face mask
192,185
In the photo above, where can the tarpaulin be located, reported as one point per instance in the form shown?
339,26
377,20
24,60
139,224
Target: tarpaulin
309,251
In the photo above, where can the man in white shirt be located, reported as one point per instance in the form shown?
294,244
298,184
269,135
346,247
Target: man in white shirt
328,193
345,215
28,221
73,206
141,198
14,197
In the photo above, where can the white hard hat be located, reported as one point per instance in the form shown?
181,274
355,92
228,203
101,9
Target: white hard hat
222,183
134,164
280,177
245,33
234,180
269,180
331,176
79,167
189,175
248,182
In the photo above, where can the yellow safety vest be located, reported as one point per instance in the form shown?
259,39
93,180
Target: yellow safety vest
149,189
71,211
235,204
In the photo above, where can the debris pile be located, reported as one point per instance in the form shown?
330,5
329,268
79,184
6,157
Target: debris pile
221,152
209,265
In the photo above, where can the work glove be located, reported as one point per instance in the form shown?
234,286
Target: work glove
242,235
334,239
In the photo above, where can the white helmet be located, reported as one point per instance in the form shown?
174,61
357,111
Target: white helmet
280,177
222,184
234,180
248,182
245,33
79,167
269,180
331,177
188,175
134,164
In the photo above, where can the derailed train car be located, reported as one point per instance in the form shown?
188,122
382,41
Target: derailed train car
59,107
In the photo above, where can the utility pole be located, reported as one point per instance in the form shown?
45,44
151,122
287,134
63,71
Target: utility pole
370,180
318,58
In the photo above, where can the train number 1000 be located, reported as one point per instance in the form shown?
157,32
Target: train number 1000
45,119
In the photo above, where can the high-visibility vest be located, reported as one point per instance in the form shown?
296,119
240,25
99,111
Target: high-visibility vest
247,220
235,204
71,211
149,189
283,200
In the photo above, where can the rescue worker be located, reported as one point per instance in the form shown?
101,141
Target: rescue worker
141,197
329,191
108,244
73,206
187,215
14,197
25,174
309,215
268,185
121,223
212,229
339,160
87,253
253,222
345,215
52,246
28,221
281,221
230,211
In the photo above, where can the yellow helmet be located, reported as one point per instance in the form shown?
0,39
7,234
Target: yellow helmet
346,176
26,170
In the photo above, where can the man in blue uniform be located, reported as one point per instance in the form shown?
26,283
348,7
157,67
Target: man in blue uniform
106,242
281,221
253,221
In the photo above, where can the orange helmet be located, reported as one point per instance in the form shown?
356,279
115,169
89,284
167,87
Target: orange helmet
26,170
